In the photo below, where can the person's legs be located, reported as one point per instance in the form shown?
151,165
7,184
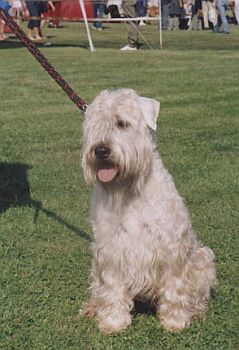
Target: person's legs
2,26
43,10
16,14
98,12
101,14
95,12
165,17
176,22
34,24
236,10
205,14
222,6
132,27
171,22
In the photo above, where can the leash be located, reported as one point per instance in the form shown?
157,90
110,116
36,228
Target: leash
78,101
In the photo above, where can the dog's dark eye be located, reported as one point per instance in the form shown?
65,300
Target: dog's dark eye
122,124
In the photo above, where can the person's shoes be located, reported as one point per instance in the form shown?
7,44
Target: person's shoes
31,38
52,25
129,48
96,28
142,23
226,32
42,36
39,39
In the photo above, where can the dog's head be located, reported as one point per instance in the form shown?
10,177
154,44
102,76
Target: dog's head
117,136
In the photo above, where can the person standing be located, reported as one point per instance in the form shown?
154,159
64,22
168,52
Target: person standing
206,5
2,27
236,10
16,10
34,8
5,5
222,6
165,14
195,21
129,10
141,10
174,14
98,12
45,6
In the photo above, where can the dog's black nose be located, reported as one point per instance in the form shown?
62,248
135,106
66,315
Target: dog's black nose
102,152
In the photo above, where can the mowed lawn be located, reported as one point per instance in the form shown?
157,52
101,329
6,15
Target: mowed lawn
44,202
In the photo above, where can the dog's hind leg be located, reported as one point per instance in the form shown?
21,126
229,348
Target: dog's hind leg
185,290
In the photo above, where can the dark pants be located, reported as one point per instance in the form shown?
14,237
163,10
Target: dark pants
34,8
98,12
165,15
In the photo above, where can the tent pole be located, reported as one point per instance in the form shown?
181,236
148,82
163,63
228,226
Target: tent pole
160,24
82,6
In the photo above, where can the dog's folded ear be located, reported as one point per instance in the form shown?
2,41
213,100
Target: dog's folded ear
150,109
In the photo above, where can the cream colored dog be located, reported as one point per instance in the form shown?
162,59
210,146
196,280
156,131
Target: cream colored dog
144,246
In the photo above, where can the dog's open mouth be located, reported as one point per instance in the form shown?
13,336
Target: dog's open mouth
107,172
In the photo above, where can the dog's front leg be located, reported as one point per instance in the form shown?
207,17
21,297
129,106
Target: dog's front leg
114,306
110,303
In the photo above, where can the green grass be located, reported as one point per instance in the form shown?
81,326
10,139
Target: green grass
45,263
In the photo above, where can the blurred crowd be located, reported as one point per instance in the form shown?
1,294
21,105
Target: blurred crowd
194,14
175,14
36,11
199,14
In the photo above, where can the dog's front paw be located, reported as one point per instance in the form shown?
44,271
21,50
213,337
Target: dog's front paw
116,321
172,324
89,310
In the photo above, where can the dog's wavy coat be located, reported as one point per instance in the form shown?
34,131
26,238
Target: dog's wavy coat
144,246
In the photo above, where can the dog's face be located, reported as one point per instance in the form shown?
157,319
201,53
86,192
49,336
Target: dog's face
117,136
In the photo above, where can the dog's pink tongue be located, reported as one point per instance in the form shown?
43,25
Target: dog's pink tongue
107,175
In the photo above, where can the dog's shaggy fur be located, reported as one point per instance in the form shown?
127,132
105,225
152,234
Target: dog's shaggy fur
144,246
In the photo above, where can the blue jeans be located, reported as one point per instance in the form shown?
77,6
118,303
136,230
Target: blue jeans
98,12
222,6
165,16
141,8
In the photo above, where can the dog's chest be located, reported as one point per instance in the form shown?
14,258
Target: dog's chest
127,247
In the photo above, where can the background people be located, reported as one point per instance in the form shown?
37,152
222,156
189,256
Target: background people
222,6
34,8
16,10
2,27
98,12
236,10
174,14
141,10
165,14
129,10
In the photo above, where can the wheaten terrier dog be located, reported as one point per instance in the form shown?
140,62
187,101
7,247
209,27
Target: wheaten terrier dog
144,245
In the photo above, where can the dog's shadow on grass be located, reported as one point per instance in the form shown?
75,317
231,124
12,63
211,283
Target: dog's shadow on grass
15,191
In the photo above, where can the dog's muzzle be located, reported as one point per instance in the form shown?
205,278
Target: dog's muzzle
106,169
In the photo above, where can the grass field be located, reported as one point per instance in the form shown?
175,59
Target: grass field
44,204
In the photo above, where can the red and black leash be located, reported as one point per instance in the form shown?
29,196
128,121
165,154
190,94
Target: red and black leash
78,101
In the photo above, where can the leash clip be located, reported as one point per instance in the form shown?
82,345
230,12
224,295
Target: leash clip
84,108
